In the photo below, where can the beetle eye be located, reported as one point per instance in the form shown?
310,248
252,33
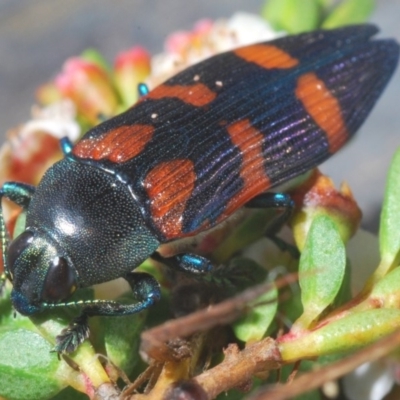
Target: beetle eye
60,281
17,246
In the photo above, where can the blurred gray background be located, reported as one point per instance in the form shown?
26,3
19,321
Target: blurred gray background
36,36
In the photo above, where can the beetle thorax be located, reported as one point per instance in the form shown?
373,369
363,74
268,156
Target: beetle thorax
93,218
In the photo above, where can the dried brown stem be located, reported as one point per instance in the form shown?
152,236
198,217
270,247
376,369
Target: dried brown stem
238,367
155,340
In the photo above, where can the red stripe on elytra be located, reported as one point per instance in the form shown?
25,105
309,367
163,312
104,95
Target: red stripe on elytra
249,140
324,108
267,56
119,145
169,186
197,95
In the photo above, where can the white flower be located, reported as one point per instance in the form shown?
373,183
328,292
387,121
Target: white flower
370,381
206,39
57,119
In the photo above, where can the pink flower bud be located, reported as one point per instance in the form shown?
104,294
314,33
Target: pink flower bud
90,88
318,195
131,68
48,93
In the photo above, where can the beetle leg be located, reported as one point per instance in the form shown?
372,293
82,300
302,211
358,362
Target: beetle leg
285,246
192,263
271,200
20,194
276,200
145,288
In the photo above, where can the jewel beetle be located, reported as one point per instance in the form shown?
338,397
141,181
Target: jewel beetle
193,151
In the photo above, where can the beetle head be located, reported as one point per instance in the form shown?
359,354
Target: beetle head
39,273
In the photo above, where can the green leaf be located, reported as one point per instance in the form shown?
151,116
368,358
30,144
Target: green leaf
344,295
349,12
290,305
325,4
293,16
389,232
386,291
242,273
349,333
29,342
254,324
322,267
27,367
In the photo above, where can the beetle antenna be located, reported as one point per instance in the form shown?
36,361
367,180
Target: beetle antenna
4,244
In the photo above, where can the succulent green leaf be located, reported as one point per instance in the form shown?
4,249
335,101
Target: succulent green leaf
254,324
349,12
386,291
325,4
389,232
344,295
27,367
343,335
242,273
322,267
292,16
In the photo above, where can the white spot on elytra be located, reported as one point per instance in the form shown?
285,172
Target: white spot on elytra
219,83
154,115
196,78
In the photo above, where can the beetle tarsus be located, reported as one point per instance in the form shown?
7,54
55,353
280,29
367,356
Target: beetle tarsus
71,337
146,289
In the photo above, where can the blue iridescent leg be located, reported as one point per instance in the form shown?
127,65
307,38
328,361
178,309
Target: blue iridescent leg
19,193
196,264
271,200
192,263
145,288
